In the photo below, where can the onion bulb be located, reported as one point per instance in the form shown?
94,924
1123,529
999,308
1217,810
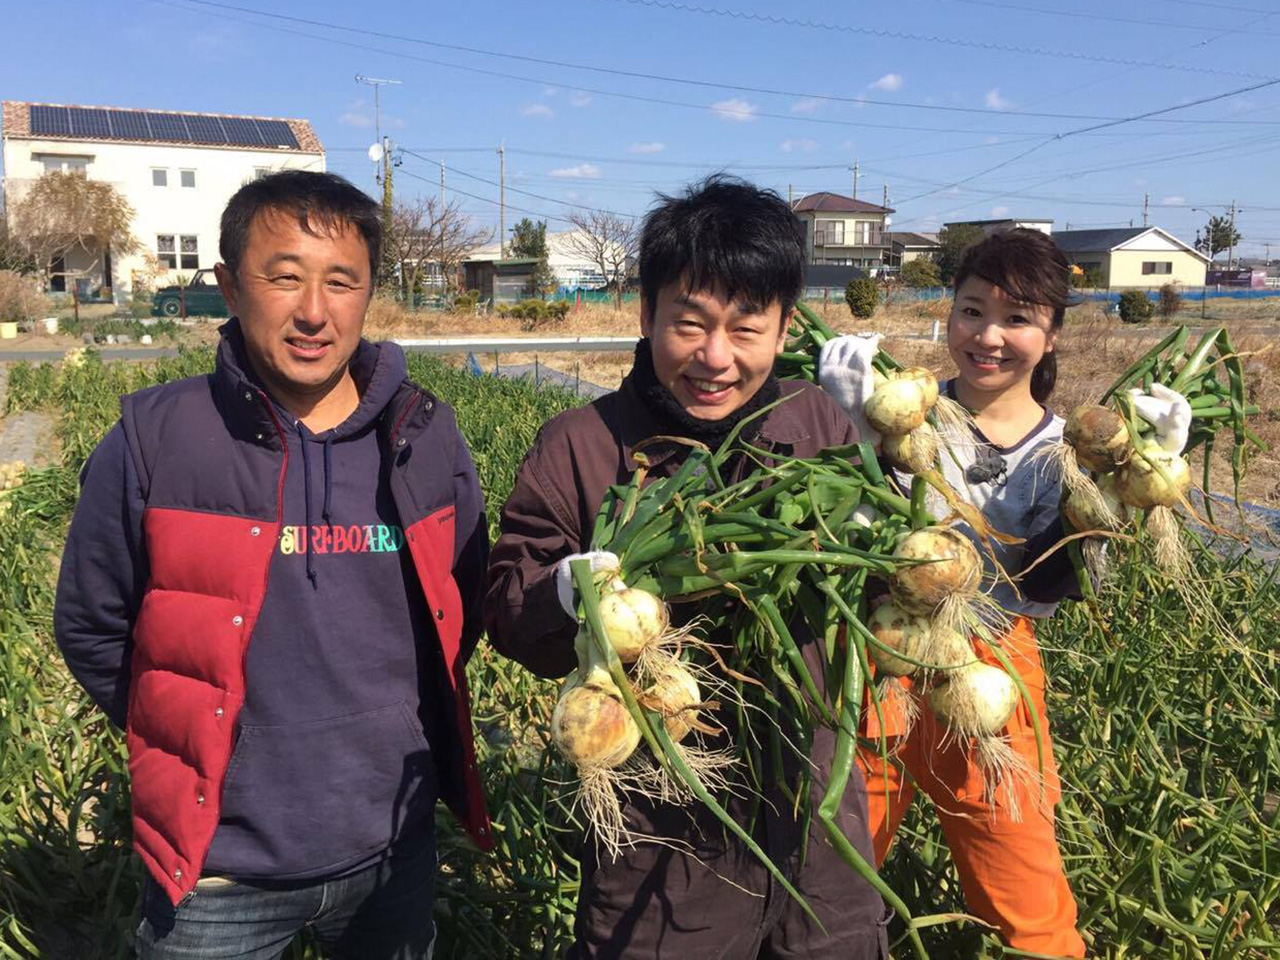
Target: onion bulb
899,630
632,619
955,568
923,376
897,407
673,693
976,700
1098,436
591,726
1140,485
913,452
1106,511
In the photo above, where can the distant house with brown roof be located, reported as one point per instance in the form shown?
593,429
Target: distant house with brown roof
840,230
177,171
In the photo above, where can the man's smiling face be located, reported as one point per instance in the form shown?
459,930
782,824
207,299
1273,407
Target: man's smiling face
301,298
711,353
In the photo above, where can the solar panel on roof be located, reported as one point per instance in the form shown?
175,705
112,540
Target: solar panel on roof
276,133
204,129
89,122
168,126
242,131
50,120
129,125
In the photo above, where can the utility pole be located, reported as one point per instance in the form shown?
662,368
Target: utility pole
791,196
886,197
1231,253
855,179
441,184
502,201
1145,198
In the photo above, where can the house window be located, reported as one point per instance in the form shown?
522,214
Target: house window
187,178
190,255
159,177
829,233
1156,266
57,164
260,172
166,253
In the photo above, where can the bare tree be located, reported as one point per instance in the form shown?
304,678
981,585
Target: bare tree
608,241
62,212
423,232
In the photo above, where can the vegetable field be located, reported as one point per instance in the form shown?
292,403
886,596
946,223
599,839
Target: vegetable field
1167,735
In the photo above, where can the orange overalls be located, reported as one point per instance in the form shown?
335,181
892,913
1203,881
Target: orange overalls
1011,871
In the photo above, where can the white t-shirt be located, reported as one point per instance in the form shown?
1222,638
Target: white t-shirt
1017,493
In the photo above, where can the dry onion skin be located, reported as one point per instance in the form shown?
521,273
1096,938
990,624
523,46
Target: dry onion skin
976,700
897,407
1105,511
591,726
1140,484
902,631
633,619
1098,436
674,694
954,570
923,376
913,452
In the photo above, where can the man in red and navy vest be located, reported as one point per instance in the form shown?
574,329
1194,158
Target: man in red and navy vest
273,583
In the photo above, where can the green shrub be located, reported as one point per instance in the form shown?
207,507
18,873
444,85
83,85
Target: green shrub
920,273
1135,306
862,295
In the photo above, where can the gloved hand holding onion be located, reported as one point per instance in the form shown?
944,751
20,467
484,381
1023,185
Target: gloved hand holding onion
1135,445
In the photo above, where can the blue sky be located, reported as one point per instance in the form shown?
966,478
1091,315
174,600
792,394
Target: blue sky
933,98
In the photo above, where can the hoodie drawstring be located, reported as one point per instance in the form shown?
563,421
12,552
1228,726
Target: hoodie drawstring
306,499
328,479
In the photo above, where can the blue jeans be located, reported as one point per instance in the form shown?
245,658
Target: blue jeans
382,912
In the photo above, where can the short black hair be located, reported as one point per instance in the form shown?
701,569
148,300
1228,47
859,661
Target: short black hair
724,233
322,201
1028,266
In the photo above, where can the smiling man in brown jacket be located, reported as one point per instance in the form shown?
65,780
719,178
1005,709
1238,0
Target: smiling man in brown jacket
720,269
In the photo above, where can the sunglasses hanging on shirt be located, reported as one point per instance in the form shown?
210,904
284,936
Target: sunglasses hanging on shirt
987,467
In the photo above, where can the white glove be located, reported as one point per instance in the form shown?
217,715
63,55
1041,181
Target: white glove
1166,410
601,561
844,371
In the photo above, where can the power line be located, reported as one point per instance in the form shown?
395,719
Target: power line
536,196
775,20
717,85
1108,18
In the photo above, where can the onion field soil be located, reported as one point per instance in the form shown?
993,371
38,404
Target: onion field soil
1167,735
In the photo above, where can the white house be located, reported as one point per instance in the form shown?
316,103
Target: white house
177,171
571,268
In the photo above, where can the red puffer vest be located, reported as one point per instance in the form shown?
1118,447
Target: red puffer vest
211,458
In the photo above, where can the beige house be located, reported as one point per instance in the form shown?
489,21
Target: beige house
1139,257
905,246
842,231
177,171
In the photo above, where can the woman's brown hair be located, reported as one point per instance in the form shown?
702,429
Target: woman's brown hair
1028,266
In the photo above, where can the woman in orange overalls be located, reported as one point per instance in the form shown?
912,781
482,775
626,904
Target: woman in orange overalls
1011,294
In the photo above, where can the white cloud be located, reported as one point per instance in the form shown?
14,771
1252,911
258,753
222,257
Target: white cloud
572,195
538,110
999,211
1174,201
988,141
583,171
354,119
798,146
580,99
550,91
651,147
734,109
890,82
996,102
809,105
